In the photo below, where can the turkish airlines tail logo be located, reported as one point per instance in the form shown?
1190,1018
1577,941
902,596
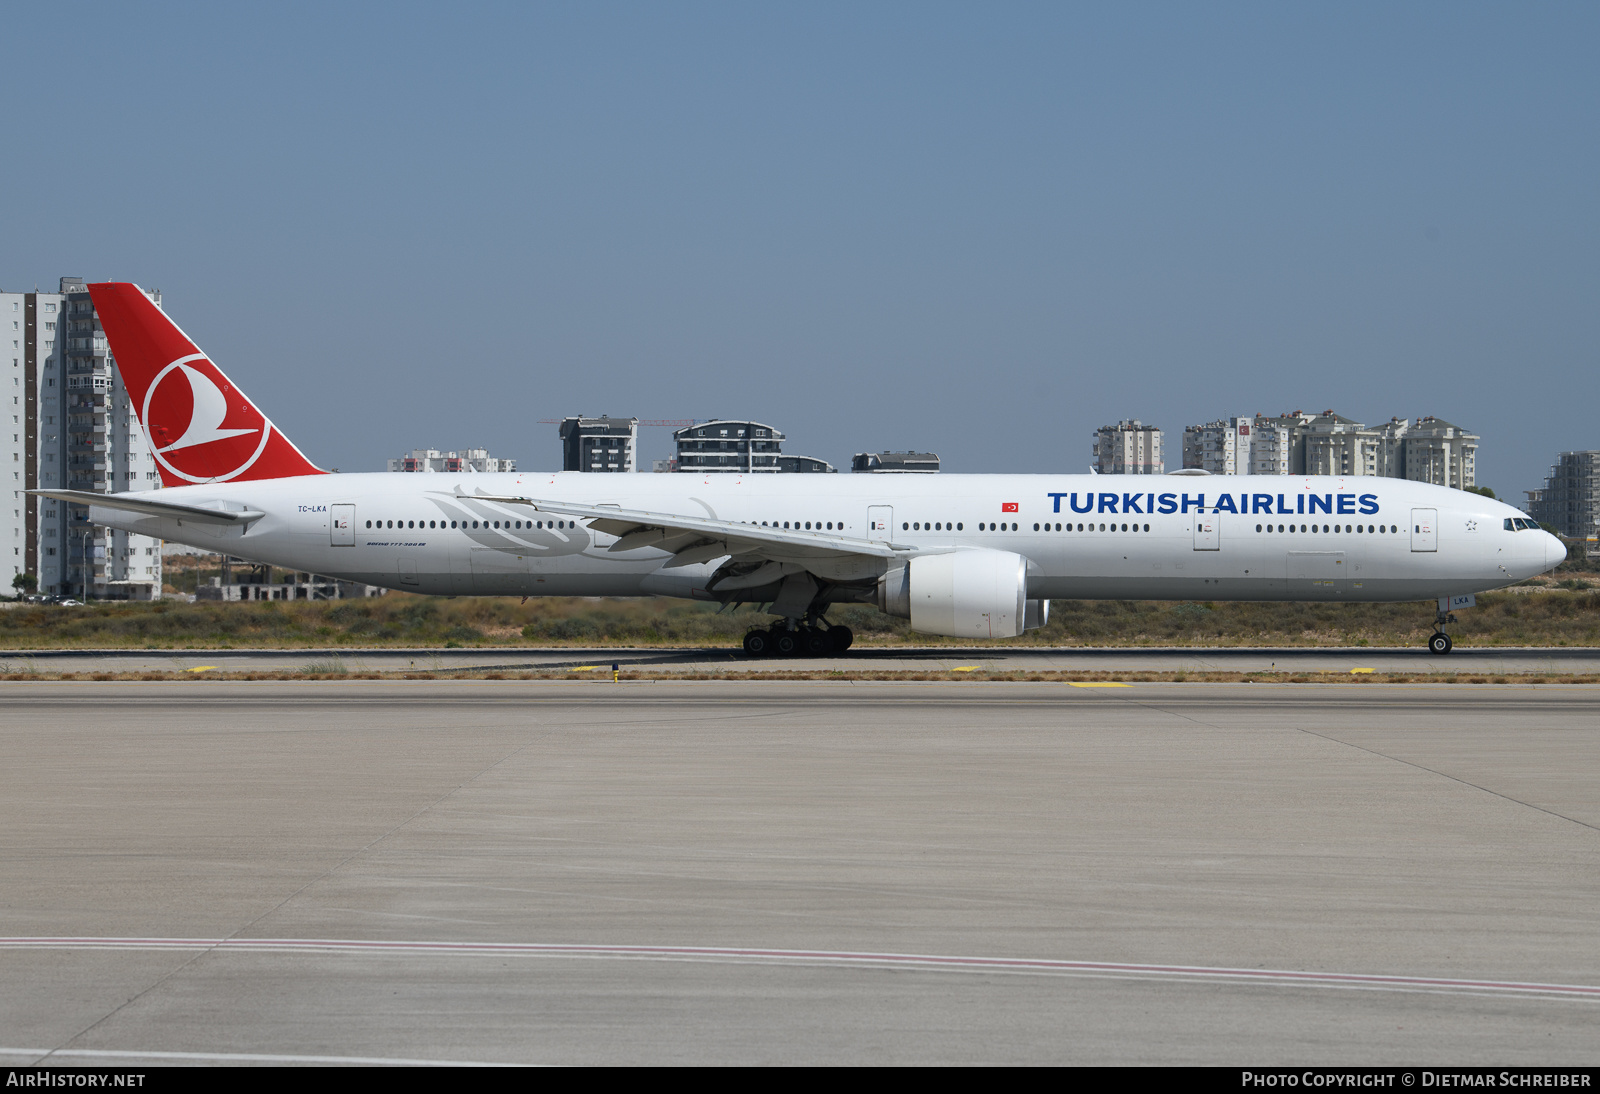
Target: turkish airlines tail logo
201,427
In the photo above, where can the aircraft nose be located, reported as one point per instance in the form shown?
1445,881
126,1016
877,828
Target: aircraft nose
1555,552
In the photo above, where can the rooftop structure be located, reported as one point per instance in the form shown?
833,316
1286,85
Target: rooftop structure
896,463
467,459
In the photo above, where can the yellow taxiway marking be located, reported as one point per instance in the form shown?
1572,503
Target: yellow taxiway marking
965,668
1100,684
1354,671
201,668
584,668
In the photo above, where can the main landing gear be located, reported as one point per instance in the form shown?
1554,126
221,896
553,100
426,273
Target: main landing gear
788,638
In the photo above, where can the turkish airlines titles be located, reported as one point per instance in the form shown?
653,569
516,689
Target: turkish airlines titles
1173,502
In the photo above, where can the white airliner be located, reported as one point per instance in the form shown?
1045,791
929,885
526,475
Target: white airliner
971,556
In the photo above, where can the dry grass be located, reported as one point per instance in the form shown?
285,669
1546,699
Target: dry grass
1556,617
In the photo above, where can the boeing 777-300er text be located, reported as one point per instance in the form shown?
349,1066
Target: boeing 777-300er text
972,556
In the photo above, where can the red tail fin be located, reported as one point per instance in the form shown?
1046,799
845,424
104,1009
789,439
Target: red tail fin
201,427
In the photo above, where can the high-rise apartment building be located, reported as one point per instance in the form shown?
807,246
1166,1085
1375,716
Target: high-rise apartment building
602,444
106,451
1433,450
1336,445
30,456
1221,447
72,427
1570,498
1128,448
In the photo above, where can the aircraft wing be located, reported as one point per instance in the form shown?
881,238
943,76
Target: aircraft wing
142,503
700,539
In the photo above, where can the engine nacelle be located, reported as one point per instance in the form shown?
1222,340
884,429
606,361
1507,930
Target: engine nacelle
1036,615
963,594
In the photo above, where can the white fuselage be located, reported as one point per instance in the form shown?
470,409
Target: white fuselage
1084,536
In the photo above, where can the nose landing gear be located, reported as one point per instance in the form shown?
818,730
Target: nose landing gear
1440,643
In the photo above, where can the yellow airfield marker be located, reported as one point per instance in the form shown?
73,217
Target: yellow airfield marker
1354,671
1100,684
201,668
584,668
965,668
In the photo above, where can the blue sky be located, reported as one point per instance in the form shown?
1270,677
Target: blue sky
978,229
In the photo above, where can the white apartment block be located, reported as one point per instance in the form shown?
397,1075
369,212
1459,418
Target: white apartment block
1222,447
74,427
30,532
1128,448
1336,445
466,459
1441,453
1429,450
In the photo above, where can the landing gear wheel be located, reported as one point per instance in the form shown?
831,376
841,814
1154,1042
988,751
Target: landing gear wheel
841,638
1440,643
815,643
786,643
758,644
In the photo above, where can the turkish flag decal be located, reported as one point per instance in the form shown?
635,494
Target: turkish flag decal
1008,507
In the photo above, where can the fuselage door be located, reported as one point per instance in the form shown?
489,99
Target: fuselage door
880,522
342,528
1207,532
1424,529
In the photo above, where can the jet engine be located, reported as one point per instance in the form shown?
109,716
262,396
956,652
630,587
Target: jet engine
963,594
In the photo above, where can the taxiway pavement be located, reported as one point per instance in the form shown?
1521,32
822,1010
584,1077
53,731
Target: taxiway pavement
767,872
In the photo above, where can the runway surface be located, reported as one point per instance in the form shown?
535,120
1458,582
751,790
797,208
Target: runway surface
1498,660
759,872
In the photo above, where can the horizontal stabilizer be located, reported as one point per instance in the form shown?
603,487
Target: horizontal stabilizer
141,503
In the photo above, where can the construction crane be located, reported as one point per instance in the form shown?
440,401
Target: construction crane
670,423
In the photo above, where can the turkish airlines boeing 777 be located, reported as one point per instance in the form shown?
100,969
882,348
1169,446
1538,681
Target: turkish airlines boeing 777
972,556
